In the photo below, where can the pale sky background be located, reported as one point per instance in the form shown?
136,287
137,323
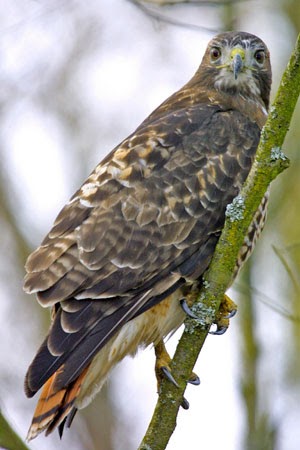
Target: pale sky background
134,63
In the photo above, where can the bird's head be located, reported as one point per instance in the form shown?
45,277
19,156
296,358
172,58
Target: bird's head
238,63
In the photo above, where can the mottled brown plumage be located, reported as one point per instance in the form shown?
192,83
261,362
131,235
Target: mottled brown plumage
139,233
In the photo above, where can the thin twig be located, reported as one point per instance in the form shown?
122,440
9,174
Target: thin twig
170,21
267,301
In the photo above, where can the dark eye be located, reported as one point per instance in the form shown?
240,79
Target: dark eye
259,56
215,53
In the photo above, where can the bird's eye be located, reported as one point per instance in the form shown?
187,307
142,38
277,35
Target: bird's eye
259,56
215,53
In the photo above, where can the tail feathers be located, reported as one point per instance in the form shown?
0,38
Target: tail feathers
54,406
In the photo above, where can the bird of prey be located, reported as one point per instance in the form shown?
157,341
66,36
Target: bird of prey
126,254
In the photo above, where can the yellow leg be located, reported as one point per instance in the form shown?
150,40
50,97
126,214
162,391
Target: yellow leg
162,367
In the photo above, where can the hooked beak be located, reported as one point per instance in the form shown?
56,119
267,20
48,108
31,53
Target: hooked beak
237,57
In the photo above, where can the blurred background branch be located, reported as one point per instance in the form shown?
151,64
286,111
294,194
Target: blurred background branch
159,8
8,438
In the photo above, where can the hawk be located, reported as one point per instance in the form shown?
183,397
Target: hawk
128,251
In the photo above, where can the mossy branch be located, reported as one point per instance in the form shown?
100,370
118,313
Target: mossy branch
269,162
8,437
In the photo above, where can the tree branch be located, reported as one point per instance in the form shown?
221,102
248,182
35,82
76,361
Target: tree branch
156,15
269,162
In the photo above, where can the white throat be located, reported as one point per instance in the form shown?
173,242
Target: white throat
245,82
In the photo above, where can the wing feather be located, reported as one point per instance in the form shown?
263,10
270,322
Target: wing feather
148,217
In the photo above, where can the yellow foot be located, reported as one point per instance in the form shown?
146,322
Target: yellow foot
227,310
162,367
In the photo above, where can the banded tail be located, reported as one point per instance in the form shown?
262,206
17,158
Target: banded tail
55,408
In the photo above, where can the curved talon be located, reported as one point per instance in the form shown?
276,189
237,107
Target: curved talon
231,314
187,309
168,375
194,379
185,404
219,331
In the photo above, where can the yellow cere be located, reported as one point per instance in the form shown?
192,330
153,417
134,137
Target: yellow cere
237,51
